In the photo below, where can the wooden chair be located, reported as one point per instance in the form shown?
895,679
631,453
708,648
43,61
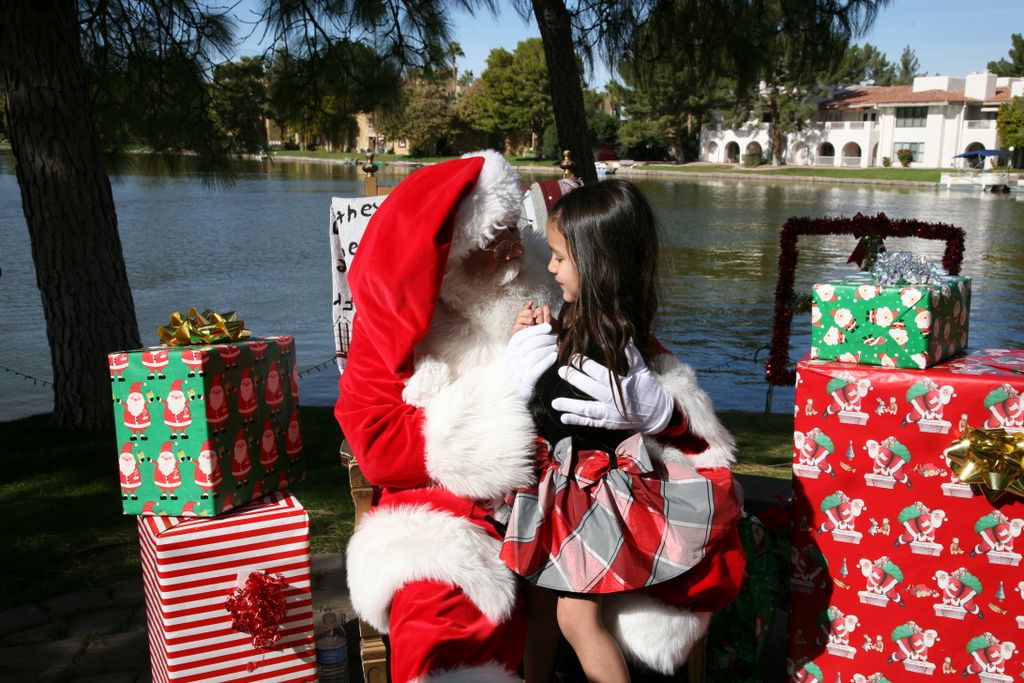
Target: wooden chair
372,652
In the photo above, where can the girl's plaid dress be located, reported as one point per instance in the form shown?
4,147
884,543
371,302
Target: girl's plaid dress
604,516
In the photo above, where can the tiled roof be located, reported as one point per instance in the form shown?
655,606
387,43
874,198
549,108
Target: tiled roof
868,95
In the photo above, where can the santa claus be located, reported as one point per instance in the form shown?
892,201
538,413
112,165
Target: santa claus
131,478
268,447
207,474
155,360
273,390
216,406
241,462
293,438
177,415
118,363
136,413
247,396
166,475
431,413
194,359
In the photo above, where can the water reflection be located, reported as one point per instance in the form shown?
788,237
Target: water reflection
260,247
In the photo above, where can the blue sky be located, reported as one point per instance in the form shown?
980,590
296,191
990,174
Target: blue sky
949,37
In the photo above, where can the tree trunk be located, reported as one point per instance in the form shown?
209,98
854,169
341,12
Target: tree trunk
775,135
66,197
566,85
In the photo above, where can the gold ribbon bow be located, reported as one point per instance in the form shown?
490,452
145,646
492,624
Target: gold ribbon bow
991,458
208,327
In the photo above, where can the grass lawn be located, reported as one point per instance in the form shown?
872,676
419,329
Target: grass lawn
62,521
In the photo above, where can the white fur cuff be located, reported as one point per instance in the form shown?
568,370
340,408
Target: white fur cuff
395,546
680,381
479,436
652,633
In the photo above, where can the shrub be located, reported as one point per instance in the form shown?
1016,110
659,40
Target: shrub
751,159
887,162
905,156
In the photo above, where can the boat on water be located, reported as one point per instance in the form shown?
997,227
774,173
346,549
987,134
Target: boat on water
604,169
971,174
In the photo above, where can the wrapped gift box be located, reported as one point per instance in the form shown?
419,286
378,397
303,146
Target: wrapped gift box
202,429
897,567
905,326
192,566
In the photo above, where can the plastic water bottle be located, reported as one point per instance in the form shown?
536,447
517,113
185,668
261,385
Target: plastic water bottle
331,650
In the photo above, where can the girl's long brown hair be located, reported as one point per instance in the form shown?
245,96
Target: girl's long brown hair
612,237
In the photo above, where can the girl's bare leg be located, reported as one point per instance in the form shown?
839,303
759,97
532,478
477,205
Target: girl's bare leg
579,617
541,635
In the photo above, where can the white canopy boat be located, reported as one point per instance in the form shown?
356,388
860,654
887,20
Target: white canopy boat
974,176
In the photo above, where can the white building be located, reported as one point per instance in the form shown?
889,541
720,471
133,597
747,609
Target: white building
936,118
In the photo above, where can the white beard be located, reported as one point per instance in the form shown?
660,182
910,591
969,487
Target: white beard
205,464
474,316
165,463
176,402
127,465
135,404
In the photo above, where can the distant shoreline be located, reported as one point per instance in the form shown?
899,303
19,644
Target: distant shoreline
644,171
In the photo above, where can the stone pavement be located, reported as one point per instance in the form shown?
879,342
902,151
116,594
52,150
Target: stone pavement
99,635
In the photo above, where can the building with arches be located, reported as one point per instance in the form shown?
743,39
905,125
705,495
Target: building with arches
936,118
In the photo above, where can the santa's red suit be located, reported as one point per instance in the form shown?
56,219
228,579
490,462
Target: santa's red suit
273,393
131,478
217,406
207,471
431,415
247,396
166,475
268,447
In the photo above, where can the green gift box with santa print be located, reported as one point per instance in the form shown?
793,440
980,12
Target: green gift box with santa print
202,429
857,320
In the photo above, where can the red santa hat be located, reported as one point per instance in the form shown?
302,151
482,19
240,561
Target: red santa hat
136,388
433,218
175,385
127,450
543,195
168,447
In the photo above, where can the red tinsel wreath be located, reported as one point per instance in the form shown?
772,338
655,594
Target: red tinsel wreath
777,369
258,608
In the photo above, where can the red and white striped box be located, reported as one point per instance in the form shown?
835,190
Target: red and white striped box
191,567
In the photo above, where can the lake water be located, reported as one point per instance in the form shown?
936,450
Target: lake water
260,247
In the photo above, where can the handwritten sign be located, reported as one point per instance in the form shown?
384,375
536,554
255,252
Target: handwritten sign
349,217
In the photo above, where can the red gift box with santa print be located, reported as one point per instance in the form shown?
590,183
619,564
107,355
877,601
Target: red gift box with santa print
202,429
192,568
899,570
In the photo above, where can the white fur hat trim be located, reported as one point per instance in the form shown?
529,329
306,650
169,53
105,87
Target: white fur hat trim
494,204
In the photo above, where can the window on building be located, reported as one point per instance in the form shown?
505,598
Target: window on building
869,116
911,117
916,147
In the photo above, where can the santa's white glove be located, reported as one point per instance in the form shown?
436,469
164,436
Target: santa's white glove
648,406
530,352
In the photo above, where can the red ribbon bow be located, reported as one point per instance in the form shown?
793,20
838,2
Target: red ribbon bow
258,608
593,465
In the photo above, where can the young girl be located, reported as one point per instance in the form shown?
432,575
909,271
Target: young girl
608,515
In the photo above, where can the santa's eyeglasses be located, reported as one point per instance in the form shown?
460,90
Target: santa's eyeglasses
506,245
